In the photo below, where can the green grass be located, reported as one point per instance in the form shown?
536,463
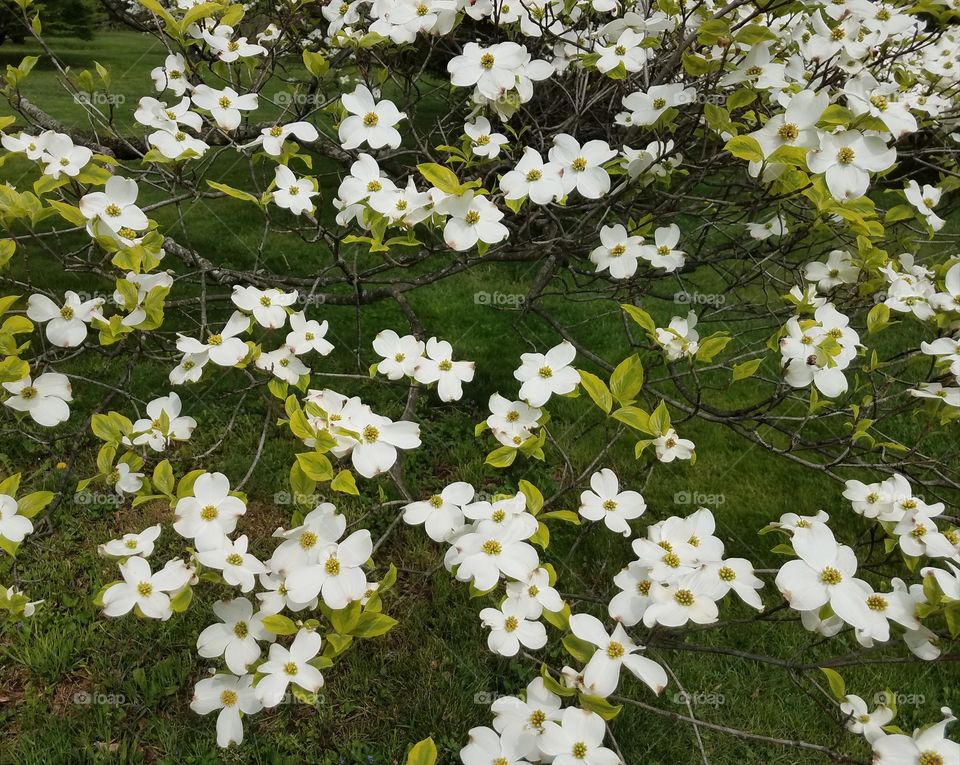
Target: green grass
433,674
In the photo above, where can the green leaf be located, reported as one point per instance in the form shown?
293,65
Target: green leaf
316,64
746,369
698,65
345,483
898,213
163,478
745,147
553,686
740,98
635,418
559,619
10,548
660,420
712,345
501,457
10,484
627,380
185,486
7,248
837,686
541,536
597,390
235,193
372,625
316,466
835,115
345,619
640,316
279,624
579,649
533,496
600,705
441,177
423,753
31,504
878,318
562,515
752,34
181,601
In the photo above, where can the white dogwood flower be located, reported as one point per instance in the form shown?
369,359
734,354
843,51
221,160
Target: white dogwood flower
66,325
292,193
543,375
577,739
131,544
441,514
437,366
210,514
602,673
618,252
400,354
337,576
231,695
225,105
146,591
267,306
44,399
370,122
238,567
235,636
608,504
284,666
510,629
483,141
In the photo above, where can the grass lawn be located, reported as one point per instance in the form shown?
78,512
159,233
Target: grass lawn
75,686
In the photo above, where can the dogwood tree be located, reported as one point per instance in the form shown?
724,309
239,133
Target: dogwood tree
786,172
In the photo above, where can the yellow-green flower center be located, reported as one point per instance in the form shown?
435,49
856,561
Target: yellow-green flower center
830,575
788,131
877,603
615,650
492,547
